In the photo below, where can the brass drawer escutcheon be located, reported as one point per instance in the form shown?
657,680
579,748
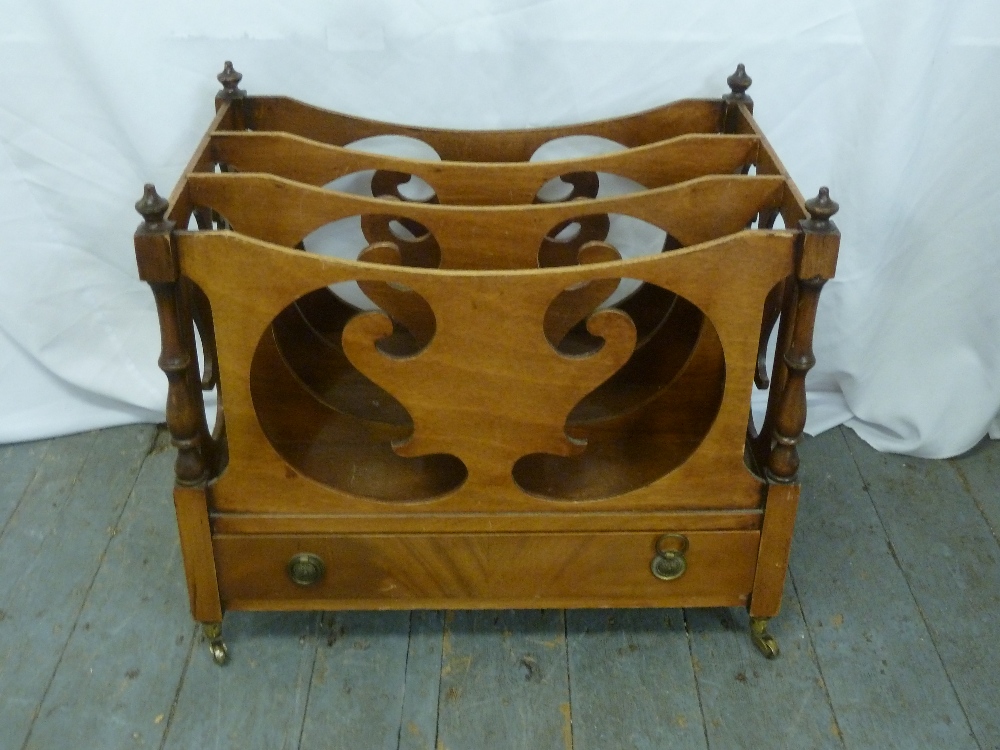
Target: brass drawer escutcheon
669,562
305,568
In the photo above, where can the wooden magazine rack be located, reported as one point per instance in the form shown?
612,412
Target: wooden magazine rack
500,431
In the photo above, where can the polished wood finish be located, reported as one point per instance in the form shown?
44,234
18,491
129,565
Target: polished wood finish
775,547
495,433
484,183
694,212
484,571
676,119
191,506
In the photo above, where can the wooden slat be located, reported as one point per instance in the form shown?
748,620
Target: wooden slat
695,211
631,680
504,681
49,555
258,700
883,675
418,724
979,472
26,660
18,465
356,695
677,118
749,701
951,561
484,183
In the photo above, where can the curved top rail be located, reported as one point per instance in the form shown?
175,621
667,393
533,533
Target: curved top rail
277,113
652,165
484,236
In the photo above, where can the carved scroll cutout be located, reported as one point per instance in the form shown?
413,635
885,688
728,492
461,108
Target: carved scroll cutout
556,252
385,184
581,185
454,411
338,448
421,251
403,306
644,421
575,304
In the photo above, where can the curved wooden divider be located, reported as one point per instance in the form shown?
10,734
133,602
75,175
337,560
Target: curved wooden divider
279,113
485,237
652,165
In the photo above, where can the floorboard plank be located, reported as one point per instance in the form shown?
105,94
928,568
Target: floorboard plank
631,680
504,681
118,674
979,472
18,465
50,552
418,728
952,565
885,679
356,697
258,699
750,701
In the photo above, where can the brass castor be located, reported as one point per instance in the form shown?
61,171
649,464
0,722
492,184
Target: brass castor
763,640
216,646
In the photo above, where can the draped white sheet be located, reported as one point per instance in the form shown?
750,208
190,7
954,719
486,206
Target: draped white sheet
893,105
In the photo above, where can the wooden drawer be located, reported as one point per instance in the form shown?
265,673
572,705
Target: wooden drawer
404,571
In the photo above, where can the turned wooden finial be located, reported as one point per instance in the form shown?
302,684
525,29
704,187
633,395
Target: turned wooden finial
152,207
738,82
230,79
821,209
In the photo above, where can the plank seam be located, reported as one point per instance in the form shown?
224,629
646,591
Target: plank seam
312,671
816,659
444,634
406,667
24,492
129,495
694,671
569,679
180,686
866,486
975,499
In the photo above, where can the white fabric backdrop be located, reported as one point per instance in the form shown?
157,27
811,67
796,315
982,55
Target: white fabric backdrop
893,105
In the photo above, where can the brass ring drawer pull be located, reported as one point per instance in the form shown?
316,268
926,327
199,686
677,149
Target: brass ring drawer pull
305,568
669,562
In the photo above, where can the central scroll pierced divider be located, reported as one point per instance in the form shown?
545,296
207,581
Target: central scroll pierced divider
489,388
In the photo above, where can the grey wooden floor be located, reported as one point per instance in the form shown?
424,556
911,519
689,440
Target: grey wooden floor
889,631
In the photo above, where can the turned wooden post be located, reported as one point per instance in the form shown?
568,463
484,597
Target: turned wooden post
159,267
738,82
817,260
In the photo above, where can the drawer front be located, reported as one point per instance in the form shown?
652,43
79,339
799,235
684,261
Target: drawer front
500,571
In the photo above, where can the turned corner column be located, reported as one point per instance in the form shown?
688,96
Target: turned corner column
819,241
159,266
